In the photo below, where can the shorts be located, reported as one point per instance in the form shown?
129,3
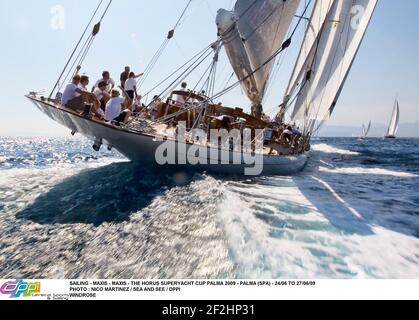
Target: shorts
120,118
131,94
103,105
76,104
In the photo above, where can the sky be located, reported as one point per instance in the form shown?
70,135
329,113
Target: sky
35,48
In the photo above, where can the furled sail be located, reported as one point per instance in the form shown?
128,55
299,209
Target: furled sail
394,123
251,34
331,57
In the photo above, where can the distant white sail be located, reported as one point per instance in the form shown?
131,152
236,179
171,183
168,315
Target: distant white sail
331,58
251,34
394,123
366,130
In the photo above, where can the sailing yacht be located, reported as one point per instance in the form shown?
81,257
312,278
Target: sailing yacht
394,122
365,131
254,35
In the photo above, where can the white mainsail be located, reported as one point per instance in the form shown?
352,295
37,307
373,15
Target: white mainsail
331,57
394,123
251,34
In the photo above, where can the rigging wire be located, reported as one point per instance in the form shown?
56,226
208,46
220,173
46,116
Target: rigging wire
95,32
75,49
195,58
283,47
281,62
185,74
197,62
86,47
308,121
150,67
233,38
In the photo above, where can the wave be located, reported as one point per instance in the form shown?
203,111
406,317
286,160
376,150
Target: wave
325,148
368,171
100,217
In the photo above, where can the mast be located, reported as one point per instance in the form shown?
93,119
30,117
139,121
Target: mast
324,63
251,34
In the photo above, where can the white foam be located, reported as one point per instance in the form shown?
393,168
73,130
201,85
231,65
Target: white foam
325,148
369,171
330,252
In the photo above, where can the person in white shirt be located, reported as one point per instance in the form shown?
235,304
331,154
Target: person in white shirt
84,82
71,91
90,98
131,86
114,109
76,96
102,95
106,77
137,105
126,75
72,97
181,98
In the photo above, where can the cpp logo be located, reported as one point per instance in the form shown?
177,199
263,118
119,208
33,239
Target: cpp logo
19,288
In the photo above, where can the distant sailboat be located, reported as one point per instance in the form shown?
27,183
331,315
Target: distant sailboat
365,131
394,123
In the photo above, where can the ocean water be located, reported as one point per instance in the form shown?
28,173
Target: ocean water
68,212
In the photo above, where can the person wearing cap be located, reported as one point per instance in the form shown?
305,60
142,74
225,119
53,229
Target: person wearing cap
114,109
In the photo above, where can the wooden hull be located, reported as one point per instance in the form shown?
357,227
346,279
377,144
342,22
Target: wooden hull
141,148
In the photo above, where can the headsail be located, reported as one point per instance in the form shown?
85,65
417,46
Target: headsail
366,130
251,34
302,66
394,123
331,57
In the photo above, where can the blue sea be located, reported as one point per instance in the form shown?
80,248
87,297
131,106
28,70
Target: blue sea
68,212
